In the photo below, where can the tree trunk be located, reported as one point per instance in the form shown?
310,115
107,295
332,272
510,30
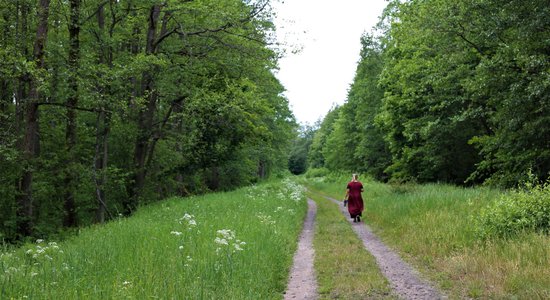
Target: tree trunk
100,165
261,169
21,87
5,87
103,126
145,118
29,146
72,102
4,100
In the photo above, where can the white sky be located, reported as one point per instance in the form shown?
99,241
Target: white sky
328,33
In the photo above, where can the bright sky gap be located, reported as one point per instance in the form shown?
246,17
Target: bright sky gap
328,33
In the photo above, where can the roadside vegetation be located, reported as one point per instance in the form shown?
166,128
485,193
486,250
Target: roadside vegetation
233,245
436,228
345,269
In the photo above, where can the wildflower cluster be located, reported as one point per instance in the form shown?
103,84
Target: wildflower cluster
8,260
256,193
43,252
188,220
293,190
32,262
226,240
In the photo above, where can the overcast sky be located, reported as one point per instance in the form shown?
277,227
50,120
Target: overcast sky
328,34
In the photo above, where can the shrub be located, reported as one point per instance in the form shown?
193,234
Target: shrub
317,172
523,210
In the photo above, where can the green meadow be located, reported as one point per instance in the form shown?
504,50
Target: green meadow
434,227
233,245
239,245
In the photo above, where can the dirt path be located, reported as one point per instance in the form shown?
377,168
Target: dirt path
302,283
404,280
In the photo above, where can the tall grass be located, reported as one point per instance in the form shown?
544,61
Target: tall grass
345,269
235,245
433,227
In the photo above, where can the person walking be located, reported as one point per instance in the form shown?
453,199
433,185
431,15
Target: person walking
354,199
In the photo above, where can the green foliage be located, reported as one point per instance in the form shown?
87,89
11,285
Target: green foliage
517,212
180,248
186,105
319,148
317,172
432,226
297,162
447,91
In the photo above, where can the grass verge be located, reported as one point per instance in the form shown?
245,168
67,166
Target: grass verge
432,227
345,270
235,245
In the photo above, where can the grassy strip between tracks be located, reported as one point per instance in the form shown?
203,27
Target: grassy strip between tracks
433,227
345,270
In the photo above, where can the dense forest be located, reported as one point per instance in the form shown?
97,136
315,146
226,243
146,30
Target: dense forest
445,91
106,105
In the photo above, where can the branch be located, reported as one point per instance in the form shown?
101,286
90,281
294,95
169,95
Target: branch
164,35
94,110
247,38
461,35
95,12
254,13
158,133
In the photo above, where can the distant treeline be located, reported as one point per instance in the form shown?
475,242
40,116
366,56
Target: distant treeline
451,91
106,105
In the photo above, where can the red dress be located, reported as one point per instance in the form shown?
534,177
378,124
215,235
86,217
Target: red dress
355,201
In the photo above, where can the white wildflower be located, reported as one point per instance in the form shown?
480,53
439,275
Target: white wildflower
238,245
226,240
221,241
177,233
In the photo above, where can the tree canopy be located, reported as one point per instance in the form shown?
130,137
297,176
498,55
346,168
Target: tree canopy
106,105
447,91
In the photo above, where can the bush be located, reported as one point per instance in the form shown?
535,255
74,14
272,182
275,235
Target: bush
524,210
318,172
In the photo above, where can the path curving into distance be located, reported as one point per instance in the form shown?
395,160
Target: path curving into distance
302,283
404,280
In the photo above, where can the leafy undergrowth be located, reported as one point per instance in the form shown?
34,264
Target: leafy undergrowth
434,227
345,270
235,245
520,211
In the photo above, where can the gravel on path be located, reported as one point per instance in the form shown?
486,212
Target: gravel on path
405,281
302,283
